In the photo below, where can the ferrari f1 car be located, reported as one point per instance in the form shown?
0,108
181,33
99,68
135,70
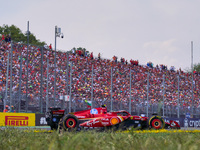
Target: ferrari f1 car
99,118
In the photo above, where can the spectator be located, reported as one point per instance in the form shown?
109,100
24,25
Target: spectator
134,62
122,60
150,64
172,68
6,109
8,38
82,75
86,53
73,51
115,59
3,38
50,47
12,109
99,56
91,55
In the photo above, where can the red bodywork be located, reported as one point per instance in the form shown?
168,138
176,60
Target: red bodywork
172,124
98,117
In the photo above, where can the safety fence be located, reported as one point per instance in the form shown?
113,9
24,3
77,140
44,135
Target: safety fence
35,78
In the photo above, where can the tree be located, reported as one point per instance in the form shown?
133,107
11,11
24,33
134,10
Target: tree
197,67
17,35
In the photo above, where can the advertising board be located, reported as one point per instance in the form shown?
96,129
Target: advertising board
186,122
40,120
17,119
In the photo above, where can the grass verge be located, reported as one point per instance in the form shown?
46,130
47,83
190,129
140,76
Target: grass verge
90,140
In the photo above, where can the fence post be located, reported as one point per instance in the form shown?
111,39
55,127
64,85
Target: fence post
130,94
27,67
92,87
163,95
20,81
11,85
7,74
147,94
41,85
67,79
178,99
70,97
167,113
192,78
54,92
111,91
47,91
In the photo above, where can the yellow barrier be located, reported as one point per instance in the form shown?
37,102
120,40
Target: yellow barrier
17,119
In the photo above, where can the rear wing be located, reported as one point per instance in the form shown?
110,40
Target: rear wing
54,111
54,108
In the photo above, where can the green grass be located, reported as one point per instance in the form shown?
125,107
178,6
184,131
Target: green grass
30,140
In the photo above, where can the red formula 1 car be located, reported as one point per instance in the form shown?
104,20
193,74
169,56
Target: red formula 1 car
99,118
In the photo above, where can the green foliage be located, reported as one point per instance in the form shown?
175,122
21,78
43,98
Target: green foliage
20,139
197,67
17,35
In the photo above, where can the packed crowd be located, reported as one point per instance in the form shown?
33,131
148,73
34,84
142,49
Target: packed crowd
82,62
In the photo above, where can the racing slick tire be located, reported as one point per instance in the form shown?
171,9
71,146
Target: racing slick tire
69,122
156,122
54,126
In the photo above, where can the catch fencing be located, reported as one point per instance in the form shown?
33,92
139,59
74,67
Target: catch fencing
33,80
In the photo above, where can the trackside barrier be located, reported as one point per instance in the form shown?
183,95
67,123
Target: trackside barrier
32,119
22,119
186,122
17,119
40,120
183,122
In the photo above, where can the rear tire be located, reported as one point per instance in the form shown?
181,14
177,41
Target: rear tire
156,122
69,122
53,126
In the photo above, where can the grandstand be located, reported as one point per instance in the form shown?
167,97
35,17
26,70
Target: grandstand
81,85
